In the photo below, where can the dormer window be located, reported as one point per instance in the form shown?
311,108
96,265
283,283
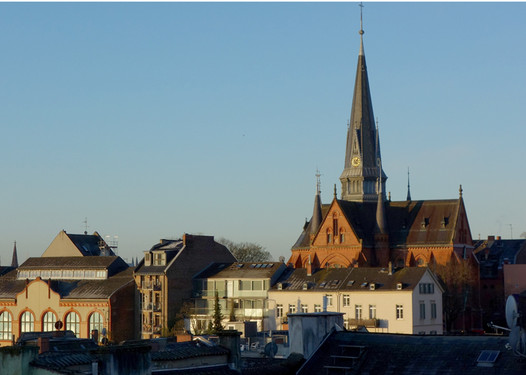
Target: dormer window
425,222
445,222
147,259
280,286
305,286
399,286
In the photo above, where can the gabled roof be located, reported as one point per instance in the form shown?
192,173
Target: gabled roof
240,270
66,244
424,222
351,279
430,222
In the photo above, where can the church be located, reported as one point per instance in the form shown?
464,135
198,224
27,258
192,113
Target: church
364,228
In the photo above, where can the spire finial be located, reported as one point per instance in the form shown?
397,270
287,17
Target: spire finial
318,182
408,186
460,191
361,28
335,193
14,260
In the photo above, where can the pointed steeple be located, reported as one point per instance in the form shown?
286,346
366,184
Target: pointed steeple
359,175
408,186
14,260
316,214
381,225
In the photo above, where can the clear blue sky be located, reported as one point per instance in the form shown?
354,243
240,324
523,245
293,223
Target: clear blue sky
152,120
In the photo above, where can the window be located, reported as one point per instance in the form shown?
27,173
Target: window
48,322
329,237
358,311
27,322
304,308
433,310
73,323
372,311
426,288
279,310
317,308
245,285
422,310
5,326
96,322
399,312
346,300
329,299
292,309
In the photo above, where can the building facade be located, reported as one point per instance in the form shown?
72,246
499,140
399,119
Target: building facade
164,278
242,292
383,300
81,294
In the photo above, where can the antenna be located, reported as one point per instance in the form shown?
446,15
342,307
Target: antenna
85,222
112,242
318,182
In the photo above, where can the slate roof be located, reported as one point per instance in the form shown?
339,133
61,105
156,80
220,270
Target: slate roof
70,262
404,221
170,247
73,289
89,245
412,354
61,361
189,349
352,279
240,270
5,270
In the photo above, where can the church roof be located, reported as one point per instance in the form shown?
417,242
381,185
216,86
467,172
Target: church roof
429,222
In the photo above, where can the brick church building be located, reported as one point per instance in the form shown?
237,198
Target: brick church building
364,227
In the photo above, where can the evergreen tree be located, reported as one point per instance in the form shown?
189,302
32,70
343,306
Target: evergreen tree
218,316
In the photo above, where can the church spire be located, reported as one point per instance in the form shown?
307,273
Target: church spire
359,175
14,260
381,225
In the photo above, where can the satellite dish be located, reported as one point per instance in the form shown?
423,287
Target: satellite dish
514,338
512,310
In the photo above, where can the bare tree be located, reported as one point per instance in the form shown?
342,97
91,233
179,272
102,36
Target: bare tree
458,278
247,251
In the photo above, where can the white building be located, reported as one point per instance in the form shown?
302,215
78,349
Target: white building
408,300
242,291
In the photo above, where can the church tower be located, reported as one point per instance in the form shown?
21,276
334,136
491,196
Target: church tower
362,154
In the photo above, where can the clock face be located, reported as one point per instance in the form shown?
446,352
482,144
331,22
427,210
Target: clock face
355,161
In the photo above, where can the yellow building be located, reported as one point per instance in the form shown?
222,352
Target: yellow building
73,291
408,300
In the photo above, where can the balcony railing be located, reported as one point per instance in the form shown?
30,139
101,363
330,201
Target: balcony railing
370,323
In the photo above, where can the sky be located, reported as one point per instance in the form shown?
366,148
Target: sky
156,119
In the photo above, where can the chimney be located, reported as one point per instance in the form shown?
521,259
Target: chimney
497,238
43,344
491,238
187,239
309,267
229,338
390,268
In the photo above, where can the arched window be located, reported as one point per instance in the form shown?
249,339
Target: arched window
329,236
342,236
73,323
6,326
27,322
96,322
48,322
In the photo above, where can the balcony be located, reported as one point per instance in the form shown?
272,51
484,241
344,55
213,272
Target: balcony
368,323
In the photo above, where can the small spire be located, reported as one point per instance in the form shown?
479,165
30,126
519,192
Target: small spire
316,213
335,193
408,186
389,196
14,261
361,32
318,182
460,191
